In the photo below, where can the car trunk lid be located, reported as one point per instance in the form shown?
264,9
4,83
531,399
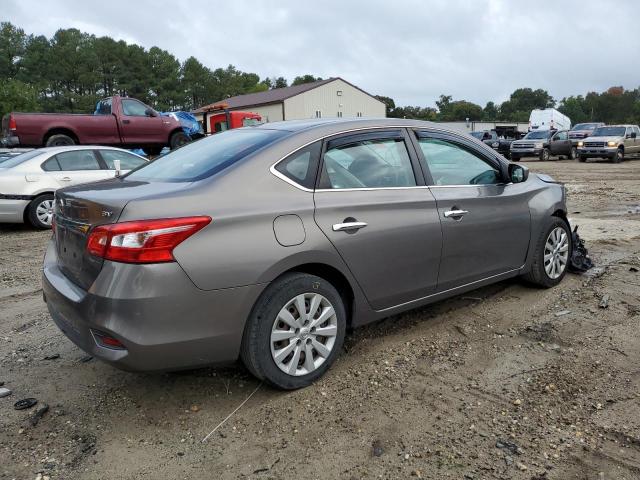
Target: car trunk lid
79,209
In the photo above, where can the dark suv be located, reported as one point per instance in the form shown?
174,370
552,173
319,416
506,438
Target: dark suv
544,144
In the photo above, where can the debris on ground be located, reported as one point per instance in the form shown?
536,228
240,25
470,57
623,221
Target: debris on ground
55,356
604,302
511,447
38,414
86,359
378,450
580,261
25,403
5,392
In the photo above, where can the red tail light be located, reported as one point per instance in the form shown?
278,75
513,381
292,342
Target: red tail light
12,123
143,241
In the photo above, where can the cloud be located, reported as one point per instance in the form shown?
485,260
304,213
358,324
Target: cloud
410,50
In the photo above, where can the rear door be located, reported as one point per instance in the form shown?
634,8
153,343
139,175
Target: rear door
139,124
75,167
372,205
485,221
128,161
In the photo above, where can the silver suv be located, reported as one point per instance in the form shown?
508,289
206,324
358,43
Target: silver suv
612,141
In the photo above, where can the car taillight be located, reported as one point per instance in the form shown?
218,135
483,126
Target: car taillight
143,241
12,123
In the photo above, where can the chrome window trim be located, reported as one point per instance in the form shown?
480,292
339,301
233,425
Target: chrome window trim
286,179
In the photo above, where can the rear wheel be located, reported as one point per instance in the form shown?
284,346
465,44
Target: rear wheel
618,156
60,140
178,139
295,331
552,254
40,211
574,153
545,154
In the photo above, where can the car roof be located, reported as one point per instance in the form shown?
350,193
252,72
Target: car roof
71,148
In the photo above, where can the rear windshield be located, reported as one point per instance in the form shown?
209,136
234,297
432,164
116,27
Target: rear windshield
205,157
609,132
540,134
18,159
585,126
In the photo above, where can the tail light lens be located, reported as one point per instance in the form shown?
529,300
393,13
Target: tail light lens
143,241
12,123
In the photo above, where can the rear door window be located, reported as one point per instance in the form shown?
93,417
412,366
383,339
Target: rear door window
51,165
128,161
78,160
367,163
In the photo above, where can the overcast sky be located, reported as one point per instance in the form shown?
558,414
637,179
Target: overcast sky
410,50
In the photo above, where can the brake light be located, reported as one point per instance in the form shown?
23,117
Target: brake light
143,241
12,123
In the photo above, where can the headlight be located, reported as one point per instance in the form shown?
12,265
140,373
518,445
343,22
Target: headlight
612,144
539,145
581,143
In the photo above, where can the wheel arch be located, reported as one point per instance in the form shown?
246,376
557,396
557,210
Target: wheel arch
60,131
25,213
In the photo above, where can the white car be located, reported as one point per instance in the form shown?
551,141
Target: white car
28,181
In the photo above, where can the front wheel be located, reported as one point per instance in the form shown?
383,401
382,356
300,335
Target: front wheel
40,213
618,156
295,331
545,154
573,154
552,254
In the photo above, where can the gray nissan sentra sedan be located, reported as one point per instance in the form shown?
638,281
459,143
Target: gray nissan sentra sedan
267,243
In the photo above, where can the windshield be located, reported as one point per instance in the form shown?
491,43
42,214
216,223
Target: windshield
585,126
609,132
205,157
540,134
10,162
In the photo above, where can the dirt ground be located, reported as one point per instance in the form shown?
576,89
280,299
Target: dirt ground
507,382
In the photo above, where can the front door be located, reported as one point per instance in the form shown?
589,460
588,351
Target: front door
370,205
140,125
560,144
485,221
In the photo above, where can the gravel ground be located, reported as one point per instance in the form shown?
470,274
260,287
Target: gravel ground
507,382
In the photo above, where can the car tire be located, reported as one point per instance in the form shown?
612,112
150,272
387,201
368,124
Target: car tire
59,140
545,155
40,211
178,139
276,351
543,272
582,158
618,156
573,154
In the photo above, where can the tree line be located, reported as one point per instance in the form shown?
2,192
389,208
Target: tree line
71,70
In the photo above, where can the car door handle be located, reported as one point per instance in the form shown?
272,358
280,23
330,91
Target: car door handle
455,213
66,179
345,227
126,121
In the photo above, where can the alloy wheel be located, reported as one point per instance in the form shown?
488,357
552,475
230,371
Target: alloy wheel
556,252
303,334
44,212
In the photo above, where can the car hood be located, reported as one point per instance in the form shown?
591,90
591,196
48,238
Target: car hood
580,133
603,139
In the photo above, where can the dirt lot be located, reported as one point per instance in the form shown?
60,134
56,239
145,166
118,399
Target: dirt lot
507,382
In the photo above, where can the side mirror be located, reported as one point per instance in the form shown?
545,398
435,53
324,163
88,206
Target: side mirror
633,135
518,173
149,112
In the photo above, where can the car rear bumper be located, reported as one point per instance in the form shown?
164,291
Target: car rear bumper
10,141
12,209
163,320
605,152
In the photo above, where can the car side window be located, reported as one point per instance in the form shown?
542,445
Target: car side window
134,108
301,166
51,165
78,160
561,136
104,107
128,161
375,163
453,164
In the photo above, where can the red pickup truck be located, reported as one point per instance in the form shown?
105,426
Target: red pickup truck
117,121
